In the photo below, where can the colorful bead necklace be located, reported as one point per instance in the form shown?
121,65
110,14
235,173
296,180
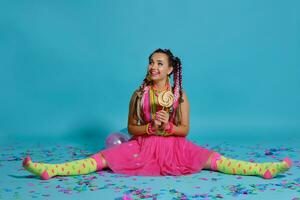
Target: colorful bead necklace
153,94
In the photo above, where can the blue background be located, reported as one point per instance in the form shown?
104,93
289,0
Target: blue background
68,69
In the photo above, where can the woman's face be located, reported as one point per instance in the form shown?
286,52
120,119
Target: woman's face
158,67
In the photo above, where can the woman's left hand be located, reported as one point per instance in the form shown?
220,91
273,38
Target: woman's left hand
163,117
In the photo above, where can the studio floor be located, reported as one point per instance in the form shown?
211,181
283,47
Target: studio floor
16,183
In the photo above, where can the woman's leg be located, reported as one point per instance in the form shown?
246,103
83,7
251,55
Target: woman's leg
267,170
45,171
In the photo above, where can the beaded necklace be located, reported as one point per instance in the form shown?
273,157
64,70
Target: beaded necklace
153,95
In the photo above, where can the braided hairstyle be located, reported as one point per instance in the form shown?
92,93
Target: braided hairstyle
175,62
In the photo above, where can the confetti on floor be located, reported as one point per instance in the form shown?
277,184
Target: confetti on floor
16,183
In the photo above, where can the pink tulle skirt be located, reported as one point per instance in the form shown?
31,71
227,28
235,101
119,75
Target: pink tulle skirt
156,156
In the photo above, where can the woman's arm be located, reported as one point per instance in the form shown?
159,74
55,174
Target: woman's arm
183,128
135,129
132,125
180,130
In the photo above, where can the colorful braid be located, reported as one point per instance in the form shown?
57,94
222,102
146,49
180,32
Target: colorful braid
177,88
144,83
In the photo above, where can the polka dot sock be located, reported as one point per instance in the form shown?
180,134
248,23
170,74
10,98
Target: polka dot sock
266,170
77,167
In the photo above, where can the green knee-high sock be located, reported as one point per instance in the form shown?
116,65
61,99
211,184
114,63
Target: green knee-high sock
77,167
266,170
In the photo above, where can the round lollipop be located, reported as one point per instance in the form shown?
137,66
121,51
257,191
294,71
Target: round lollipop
114,139
165,99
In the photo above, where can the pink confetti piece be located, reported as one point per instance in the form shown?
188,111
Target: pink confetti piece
205,179
126,197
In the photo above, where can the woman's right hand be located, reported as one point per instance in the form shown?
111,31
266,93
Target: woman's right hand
156,124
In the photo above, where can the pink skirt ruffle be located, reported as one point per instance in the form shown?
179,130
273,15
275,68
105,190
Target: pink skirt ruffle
156,156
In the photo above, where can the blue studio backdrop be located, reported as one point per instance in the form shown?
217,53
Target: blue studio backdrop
67,70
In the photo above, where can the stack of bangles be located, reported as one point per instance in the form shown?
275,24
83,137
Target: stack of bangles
168,130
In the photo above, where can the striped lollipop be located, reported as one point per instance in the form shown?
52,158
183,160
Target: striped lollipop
165,99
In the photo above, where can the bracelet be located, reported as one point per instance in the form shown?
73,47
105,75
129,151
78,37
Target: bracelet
161,133
169,129
149,129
